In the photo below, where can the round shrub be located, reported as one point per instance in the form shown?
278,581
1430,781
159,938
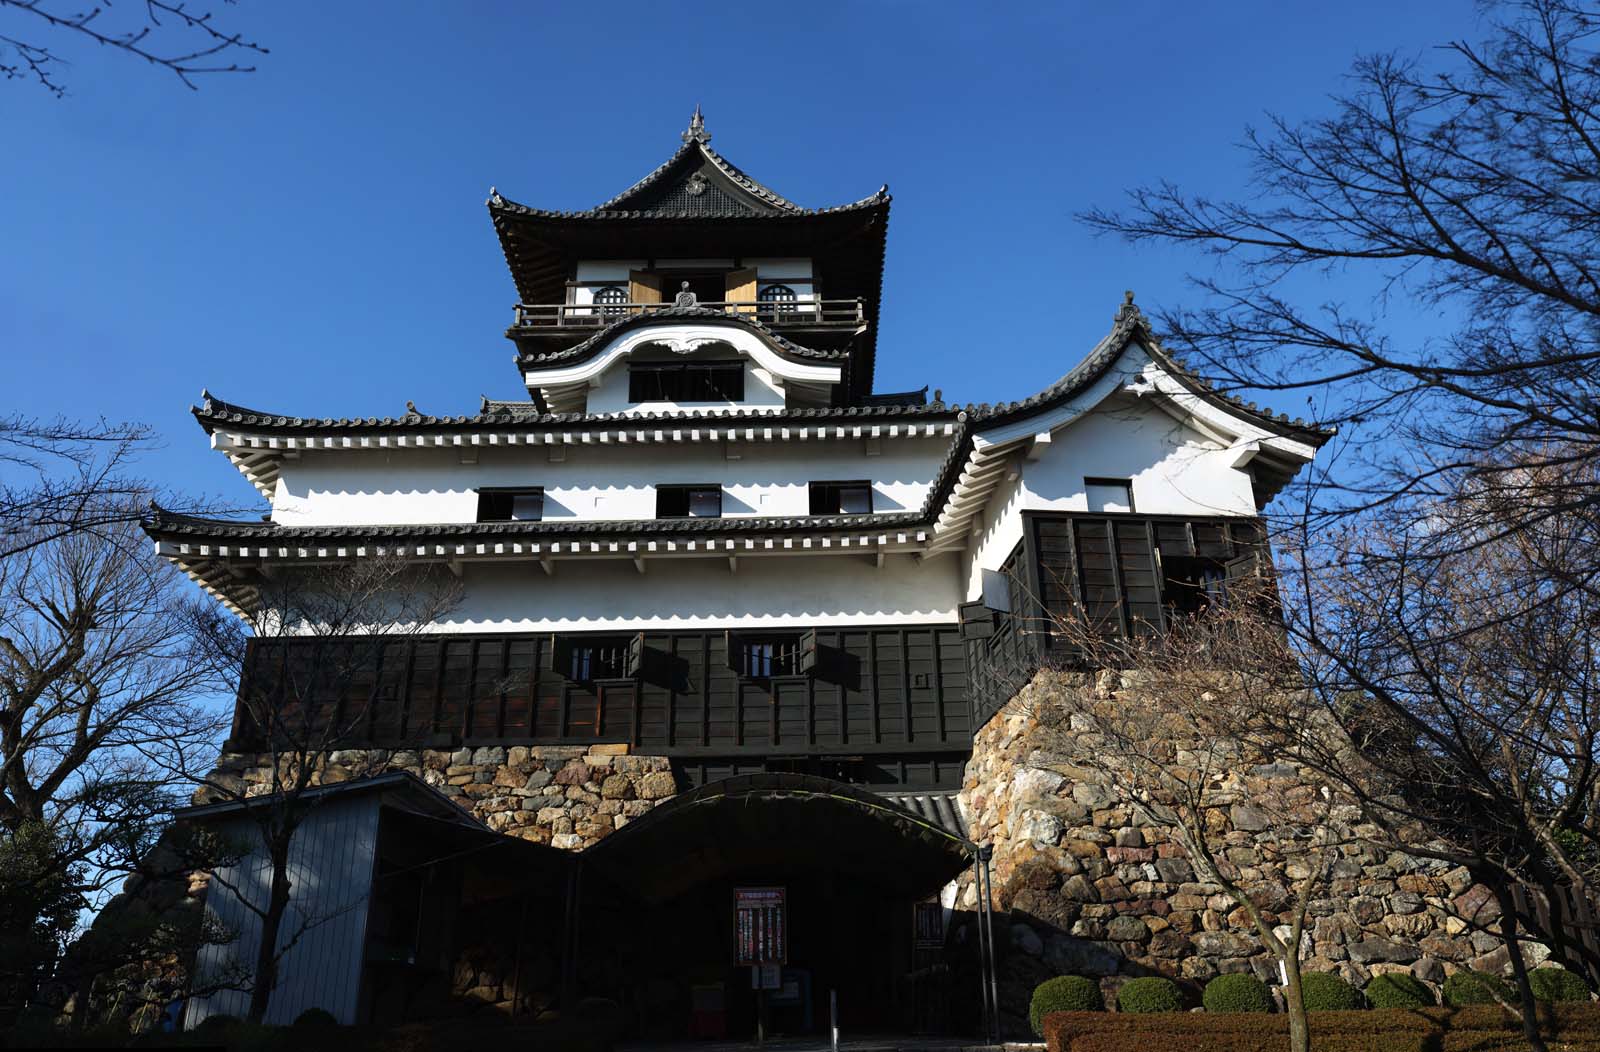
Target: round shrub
1150,994
1557,984
217,1024
1238,992
1476,988
1398,990
1064,993
1323,992
315,1019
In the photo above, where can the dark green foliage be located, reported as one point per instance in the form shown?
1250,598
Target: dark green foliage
39,904
1399,990
1239,992
1476,988
1323,992
1557,984
1151,994
1480,1028
1064,993
315,1019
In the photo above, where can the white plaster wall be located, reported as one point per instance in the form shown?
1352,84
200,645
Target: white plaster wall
767,591
999,533
594,482
1175,470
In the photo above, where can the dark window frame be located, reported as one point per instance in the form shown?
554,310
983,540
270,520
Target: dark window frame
1098,480
610,299
716,380
667,497
763,654
827,496
498,503
777,302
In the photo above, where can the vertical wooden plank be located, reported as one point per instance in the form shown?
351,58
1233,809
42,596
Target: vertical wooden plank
872,681
905,686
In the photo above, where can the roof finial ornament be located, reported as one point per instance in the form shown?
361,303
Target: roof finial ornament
697,128
685,297
411,408
1127,312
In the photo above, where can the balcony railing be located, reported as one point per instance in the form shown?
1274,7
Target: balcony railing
793,314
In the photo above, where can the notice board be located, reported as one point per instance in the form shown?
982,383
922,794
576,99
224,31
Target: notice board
761,930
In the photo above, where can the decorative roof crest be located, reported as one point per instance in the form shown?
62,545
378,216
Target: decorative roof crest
697,128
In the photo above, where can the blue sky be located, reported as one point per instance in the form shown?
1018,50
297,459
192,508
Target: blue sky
312,238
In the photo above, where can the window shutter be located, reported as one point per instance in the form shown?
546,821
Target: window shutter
559,658
740,286
806,659
977,621
635,662
736,653
644,287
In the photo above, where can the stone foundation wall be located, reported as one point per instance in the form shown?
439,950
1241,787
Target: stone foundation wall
1083,888
569,797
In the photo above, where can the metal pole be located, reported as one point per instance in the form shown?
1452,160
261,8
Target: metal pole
833,1018
986,852
983,948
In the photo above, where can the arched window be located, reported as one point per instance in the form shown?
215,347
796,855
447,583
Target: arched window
777,302
610,299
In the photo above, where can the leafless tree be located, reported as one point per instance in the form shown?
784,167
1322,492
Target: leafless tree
1173,724
307,667
103,720
185,41
1461,187
59,476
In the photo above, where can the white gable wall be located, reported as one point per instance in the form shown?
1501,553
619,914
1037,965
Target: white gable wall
1175,470
594,482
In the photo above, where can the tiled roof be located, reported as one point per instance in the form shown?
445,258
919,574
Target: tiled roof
580,351
164,523
498,414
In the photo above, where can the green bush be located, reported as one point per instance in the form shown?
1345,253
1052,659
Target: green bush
1323,992
1239,992
1064,993
1150,994
1557,984
315,1019
1476,988
1399,990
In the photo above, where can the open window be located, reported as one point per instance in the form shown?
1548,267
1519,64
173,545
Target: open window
510,503
710,381
688,502
763,655
584,659
841,498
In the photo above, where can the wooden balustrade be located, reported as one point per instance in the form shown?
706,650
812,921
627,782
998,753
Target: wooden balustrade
801,313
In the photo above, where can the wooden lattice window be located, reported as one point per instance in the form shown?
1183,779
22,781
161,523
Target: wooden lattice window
611,300
777,302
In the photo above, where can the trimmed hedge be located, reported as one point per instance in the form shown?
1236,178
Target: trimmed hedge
315,1019
1399,990
1557,984
1237,992
1065,993
1323,992
1476,988
1150,994
1479,1028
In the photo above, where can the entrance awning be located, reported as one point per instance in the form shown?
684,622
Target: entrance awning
779,823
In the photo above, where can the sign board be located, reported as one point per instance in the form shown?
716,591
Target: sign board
928,926
760,926
766,977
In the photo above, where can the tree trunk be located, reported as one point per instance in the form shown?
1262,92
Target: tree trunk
1294,1002
1519,968
266,973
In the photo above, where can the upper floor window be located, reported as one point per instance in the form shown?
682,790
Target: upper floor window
688,502
841,498
1109,494
777,302
763,655
611,299
715,381
510,504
